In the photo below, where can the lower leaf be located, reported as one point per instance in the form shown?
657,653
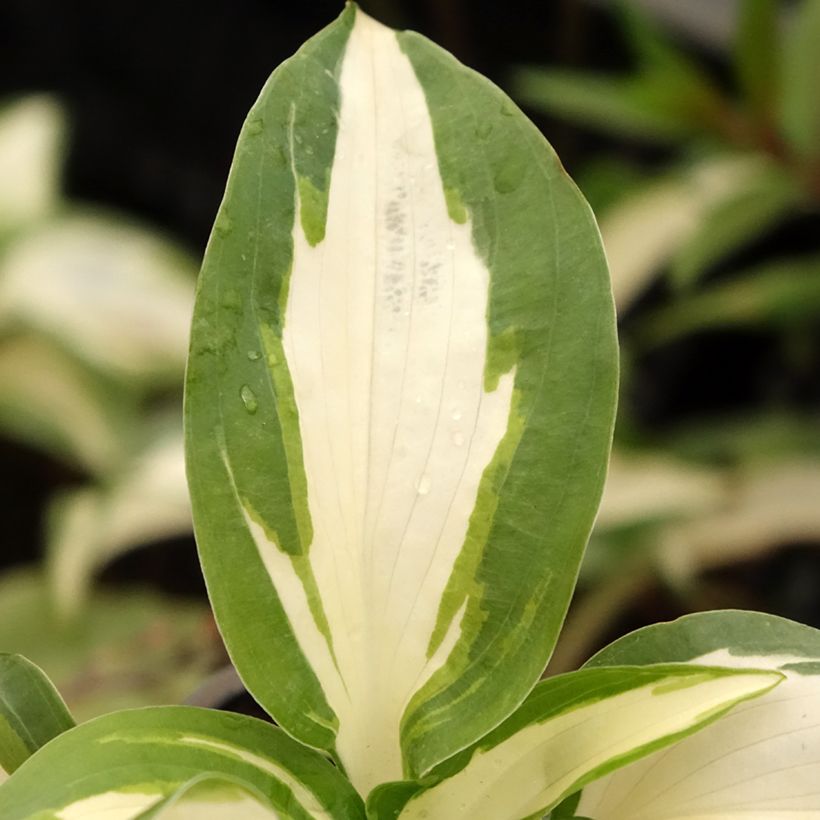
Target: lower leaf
572,729
209,797
31,711
759,763
126,763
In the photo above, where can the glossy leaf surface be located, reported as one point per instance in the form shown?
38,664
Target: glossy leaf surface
759,762
399,401
572,729
126,763
31,711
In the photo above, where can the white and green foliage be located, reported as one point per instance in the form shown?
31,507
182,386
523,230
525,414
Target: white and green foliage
94,319
702,236
747,161
31,711
400,398
398,408
760,762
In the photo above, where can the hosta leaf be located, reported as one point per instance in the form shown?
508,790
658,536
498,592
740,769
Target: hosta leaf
125,763
760,762
116,295
31,711
50,400
741,217
764,507
652,486
399,400
31,141
571,729
210,798
645,230
146,500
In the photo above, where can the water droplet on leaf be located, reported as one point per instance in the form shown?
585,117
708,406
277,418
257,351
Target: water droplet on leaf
423,485
248,399
509,174
224,225
253,355
255,127
483,129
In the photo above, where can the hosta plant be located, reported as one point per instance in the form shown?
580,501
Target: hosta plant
400,397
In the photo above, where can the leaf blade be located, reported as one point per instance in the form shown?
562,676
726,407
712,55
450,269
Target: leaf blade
129,761
756,763
377,441
31,711
572,729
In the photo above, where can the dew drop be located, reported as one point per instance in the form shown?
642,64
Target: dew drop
483,130
253,355
255,127
248,399
509,174
458,438
456,415
450,245
423,485
224,225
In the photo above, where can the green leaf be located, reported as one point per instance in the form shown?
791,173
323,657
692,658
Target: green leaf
619,106
31,711
800,102
770,435
667,99
760,761
572,729
125,763
781,294
743,216
757,56
674,82
399,400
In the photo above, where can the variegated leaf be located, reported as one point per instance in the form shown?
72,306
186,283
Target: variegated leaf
210,798
762,762
127,763
399,400
31,711
571,729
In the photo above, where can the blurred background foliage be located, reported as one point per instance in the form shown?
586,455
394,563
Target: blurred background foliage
693,129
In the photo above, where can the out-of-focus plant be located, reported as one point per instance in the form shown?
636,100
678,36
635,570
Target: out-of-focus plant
94,317
745,161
